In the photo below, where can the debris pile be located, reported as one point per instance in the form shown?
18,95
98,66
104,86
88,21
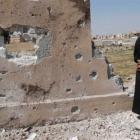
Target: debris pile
118,126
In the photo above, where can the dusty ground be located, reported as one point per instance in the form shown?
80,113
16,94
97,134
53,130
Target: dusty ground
123,63
118,126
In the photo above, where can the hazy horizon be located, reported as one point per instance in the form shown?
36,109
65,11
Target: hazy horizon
113,17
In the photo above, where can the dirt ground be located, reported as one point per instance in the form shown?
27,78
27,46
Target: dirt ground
123,63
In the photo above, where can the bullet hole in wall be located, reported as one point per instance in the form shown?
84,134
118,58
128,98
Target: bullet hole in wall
93,75
75,110
78,78
96,110
113,103
80,23
49,10
78,56
69,90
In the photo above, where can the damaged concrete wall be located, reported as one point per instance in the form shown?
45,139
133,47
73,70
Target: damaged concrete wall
64,74
69,39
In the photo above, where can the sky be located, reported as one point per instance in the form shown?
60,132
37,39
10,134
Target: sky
114,16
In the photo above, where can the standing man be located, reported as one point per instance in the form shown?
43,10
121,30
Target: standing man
136,102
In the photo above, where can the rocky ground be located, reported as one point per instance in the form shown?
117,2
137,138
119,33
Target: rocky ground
118,126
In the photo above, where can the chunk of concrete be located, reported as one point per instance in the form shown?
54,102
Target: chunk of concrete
32,136
74,138
3,52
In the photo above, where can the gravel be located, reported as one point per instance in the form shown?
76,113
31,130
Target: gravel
117,126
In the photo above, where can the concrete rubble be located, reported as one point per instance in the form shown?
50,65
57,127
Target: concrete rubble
74,138
117,126
32,136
